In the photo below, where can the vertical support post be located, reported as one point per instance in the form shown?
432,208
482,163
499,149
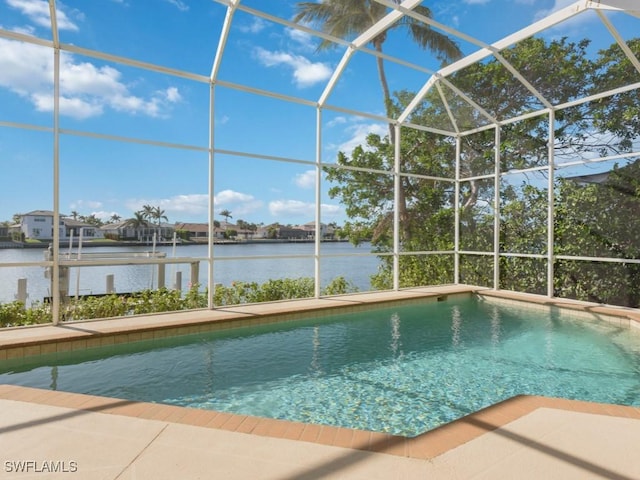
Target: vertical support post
161,275
177,285
551,205
318,238
22,294
195,274
496,211
211,229
456,206
79,257
396,213
110,284
56,273
63,283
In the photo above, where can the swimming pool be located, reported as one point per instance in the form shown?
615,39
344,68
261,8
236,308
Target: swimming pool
401,370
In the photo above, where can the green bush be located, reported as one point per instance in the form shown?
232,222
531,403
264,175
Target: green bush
15,314
165,300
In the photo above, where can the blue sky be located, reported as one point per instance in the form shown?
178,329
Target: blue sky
106,177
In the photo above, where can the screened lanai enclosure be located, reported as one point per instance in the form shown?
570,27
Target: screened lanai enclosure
412,143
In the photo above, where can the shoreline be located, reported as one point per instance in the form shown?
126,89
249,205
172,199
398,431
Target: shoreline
115,243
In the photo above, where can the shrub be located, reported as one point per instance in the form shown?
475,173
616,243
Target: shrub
165,300
14,314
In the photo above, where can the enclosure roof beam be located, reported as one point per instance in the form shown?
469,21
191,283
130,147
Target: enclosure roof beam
623,45
472,40
226,28
537,27
445,102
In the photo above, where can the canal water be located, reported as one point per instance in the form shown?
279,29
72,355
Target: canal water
227,267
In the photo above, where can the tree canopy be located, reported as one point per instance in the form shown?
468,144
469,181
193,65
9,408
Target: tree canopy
590,219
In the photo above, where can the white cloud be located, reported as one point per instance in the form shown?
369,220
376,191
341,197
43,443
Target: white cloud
188,204
358,135
302,39
305,72
336,121
330,211
172,94
238,203
85,89
103,215
191,204
557,5
85,204
38,12
306,179
283,208
287,208
183,7
226,197
256,26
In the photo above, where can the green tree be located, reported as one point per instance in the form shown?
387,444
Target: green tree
563,72
158,215
349,18
600,220
226,214
92,220
137,222
148,212
620,114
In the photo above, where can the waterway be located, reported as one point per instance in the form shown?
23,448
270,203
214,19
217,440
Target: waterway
294,260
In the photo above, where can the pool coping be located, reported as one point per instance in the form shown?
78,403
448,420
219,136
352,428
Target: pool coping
22,342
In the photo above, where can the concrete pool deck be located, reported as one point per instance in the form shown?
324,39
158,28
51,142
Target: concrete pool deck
87,437
84,436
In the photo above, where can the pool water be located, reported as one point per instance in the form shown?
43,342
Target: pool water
401,370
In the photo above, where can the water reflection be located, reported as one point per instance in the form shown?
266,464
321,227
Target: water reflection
316,367
456,326
396,343
54,378
494,315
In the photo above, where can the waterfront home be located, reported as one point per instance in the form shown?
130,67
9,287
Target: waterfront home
197,232
38,225
306,231
127,230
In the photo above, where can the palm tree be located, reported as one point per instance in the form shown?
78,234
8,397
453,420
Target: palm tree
114,218
137,221
148,212
227,215
349,18
158,215
74,215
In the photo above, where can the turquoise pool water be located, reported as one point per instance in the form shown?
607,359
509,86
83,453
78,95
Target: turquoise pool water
402,370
